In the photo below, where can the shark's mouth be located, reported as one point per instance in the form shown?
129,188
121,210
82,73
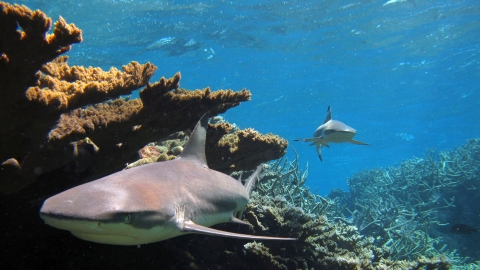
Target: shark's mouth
114,239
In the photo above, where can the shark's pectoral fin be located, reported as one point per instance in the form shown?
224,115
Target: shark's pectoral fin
319,151
305,139
357,142
190,226
314,140
239,221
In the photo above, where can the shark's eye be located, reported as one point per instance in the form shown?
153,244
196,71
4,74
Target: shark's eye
128,218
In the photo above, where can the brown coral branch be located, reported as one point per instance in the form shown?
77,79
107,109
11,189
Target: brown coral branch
67,87
216,152
153,92
24,48
121,127
23,51
249,145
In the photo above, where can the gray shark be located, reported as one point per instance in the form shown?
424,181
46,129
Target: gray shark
331,131
154,202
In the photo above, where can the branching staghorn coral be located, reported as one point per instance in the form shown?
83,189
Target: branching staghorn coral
400,206
321,244
391,205
285,178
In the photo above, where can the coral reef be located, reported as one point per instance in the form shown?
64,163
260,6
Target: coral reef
321,244
284,178
57,120
50,110
229,148
24,51
241,149
327,238
410,208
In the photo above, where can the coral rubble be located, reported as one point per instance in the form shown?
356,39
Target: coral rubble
54,115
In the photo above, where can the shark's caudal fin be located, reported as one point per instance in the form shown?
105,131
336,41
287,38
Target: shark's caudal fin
190,226
195,147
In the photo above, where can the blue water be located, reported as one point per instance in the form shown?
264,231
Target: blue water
405,75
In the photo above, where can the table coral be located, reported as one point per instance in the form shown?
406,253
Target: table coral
247,153
49,109
246,148
63,87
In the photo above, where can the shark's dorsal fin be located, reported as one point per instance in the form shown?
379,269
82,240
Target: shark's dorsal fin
250,182
195,147
329,115
240,177
190,226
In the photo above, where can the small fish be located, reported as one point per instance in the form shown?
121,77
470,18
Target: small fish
463,229
413,2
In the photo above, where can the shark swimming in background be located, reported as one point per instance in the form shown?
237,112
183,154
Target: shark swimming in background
331,131
154,202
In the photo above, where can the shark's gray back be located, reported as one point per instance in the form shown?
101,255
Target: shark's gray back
160,187
332,126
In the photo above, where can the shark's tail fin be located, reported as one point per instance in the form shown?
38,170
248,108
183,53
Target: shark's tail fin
252,180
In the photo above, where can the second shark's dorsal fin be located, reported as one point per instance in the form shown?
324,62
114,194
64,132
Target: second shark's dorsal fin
195,147
329,115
